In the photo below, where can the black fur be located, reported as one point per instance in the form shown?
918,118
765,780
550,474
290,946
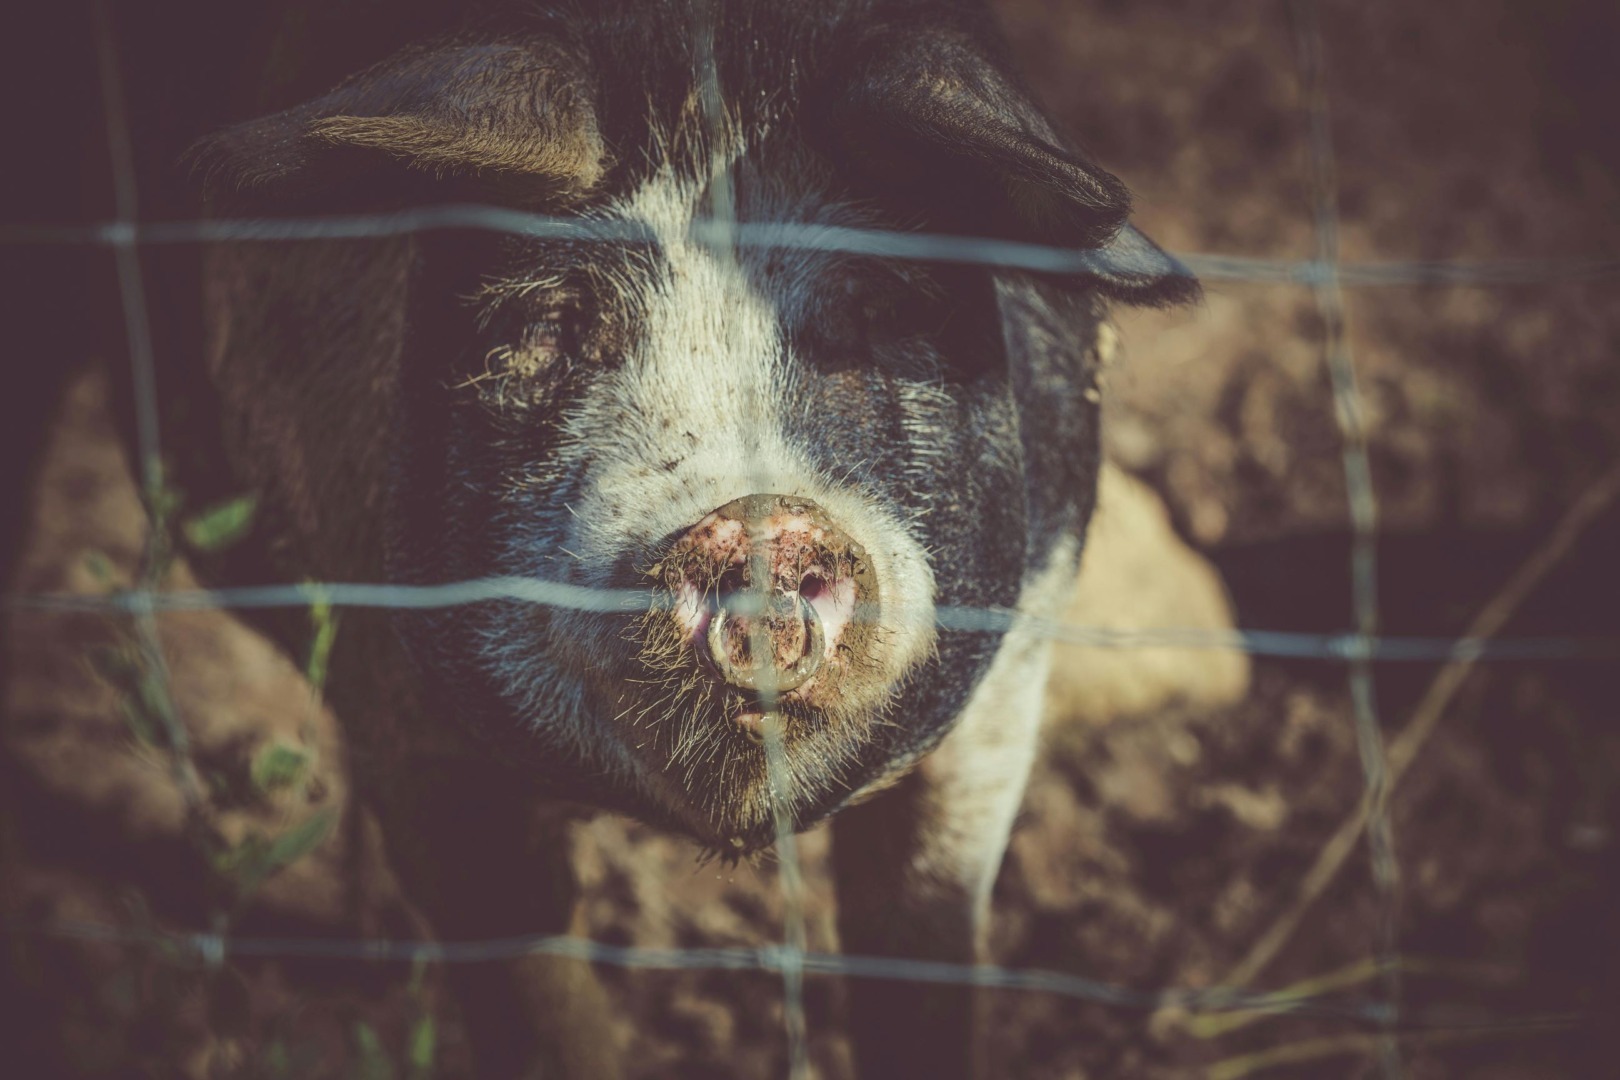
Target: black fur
398,402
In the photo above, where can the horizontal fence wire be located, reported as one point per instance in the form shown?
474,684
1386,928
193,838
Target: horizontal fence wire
214,949
1282,644
976,250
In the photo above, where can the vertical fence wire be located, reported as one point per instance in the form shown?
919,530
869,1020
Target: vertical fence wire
1349,413
143,379
722,243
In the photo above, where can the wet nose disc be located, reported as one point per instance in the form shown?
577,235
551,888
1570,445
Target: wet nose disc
765,676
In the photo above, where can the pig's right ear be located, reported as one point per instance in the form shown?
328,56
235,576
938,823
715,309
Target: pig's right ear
521,117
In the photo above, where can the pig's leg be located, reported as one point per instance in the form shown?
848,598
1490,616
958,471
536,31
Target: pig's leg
484,864
914,870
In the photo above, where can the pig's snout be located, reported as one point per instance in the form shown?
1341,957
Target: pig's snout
786,629
771,593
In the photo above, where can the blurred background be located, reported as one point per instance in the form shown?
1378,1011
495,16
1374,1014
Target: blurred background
1186,795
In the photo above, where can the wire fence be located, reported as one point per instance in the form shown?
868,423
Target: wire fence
1347,647
1347,412
1359,648
972,250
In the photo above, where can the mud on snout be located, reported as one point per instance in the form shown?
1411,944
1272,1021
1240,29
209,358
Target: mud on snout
765,605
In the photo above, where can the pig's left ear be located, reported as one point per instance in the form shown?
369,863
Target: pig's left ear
934,123
519,116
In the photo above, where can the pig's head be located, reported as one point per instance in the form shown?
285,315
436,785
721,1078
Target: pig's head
794,454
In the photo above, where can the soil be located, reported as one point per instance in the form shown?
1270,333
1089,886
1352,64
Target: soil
1154,851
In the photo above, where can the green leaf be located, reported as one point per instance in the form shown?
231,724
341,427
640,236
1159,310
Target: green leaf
255,859
245,861
423,1042
221,525
302,839
163,500
278,765
101,568
277,1062
325,621
374,1063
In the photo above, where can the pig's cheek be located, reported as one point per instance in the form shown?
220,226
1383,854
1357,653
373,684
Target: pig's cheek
825,689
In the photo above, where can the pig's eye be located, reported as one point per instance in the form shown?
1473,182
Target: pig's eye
545,341
522,372
891,300
887,315
540,346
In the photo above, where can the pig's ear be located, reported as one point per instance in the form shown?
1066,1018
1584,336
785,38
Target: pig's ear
1135,270
522,116
933,123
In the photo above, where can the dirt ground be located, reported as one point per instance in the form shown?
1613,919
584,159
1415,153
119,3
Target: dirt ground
1160,842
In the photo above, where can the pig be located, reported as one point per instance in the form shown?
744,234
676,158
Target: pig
797,457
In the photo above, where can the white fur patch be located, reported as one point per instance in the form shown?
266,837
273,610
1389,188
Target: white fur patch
695,419
975,778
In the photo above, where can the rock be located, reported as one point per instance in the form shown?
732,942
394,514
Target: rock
102,850
1137,574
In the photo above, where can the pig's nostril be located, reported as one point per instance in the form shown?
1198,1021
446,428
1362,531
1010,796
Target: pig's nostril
787,631
812,586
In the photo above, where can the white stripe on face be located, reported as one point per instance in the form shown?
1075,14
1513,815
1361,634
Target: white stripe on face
696,417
